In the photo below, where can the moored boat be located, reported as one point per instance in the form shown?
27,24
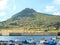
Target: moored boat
42,41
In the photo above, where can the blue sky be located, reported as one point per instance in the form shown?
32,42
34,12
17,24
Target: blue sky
10,7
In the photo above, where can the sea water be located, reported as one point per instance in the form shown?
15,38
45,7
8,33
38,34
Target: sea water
22,38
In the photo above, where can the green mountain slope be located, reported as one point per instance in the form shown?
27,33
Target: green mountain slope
29,18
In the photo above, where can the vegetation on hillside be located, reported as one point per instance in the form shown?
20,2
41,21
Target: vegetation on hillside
31,20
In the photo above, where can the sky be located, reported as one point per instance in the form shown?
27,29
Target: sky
10,7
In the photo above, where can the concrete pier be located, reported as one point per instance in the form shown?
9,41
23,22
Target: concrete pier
24,32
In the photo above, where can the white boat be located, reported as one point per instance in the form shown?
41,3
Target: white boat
17,40
42,41
30,40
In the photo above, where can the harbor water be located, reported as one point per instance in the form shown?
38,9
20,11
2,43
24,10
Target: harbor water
22,38
37,39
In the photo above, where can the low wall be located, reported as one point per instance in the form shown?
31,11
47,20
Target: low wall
36,34
41,34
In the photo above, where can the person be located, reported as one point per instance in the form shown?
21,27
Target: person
46,42
25,42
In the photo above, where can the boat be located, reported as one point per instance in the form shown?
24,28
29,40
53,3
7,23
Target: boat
52,41
29,42
42,41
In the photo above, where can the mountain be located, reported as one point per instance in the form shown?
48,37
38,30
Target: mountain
24,13
29,18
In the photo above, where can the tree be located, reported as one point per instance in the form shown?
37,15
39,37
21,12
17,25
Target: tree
57,25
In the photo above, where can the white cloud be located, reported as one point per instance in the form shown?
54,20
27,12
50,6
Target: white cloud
56,13
2,13
3,4
50,8
14,7
56,1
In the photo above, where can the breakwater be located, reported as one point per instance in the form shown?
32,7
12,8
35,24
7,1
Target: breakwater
25,33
